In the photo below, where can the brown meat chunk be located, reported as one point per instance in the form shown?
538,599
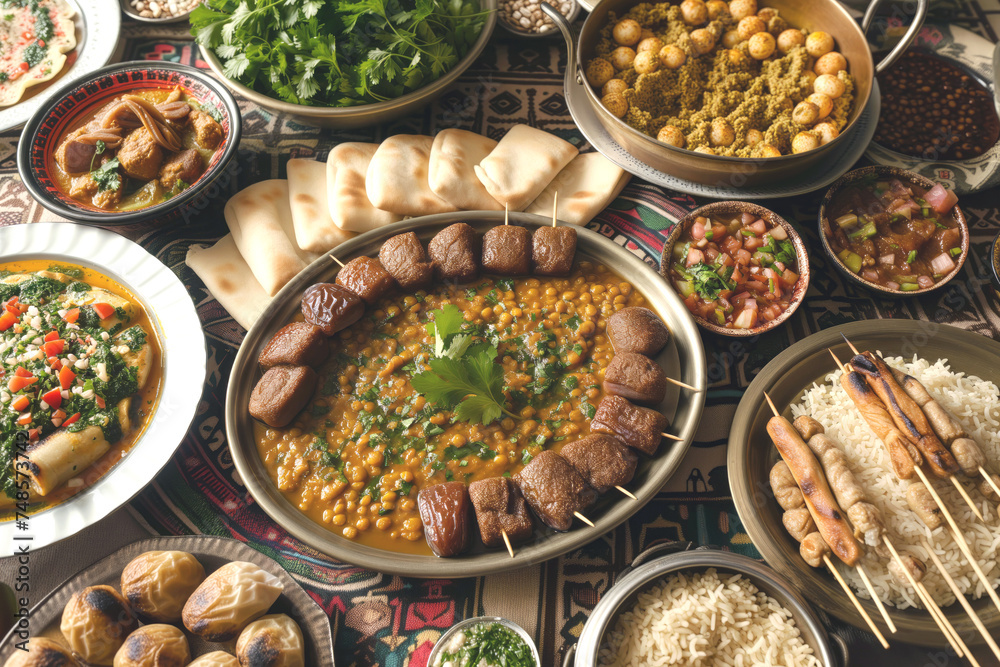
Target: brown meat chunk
500,508
639,428
184,166
602,460
554,489
444,511
635,377
296,344
553,250
453,252
366,277
281,393
638,330
207,132
507,250
84,188
75,157
331,307
403,256
140,155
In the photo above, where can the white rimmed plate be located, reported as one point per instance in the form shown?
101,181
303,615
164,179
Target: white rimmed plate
178,328
98,26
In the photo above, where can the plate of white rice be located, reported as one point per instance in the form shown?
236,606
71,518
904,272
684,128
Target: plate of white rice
961,370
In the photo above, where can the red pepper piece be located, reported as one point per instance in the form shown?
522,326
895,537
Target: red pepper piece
52,335
72,315
104,310
75,418
66,377
7,320
53,347
53,398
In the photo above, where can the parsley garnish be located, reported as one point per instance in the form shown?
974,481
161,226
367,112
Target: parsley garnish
707,282
106,176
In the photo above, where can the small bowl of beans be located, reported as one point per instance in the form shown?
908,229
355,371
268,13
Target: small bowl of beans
525,18
159,11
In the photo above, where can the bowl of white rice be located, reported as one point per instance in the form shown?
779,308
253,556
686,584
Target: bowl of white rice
703,608
961,370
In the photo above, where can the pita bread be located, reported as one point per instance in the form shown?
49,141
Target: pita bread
522,164
454,153
586,186
397,177
228,277
350,208
307,197
260,219
20,19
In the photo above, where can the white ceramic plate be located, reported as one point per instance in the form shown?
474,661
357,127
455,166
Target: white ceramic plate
178,328
98,26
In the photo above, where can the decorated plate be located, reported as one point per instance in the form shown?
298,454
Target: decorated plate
172,314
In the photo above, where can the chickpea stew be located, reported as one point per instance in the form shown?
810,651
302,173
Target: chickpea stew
354,459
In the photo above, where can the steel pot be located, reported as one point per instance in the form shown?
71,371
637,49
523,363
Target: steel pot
721,170
651,565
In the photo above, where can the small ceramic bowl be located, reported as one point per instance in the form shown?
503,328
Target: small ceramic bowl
41,135
553,30
733,208
884,172
135,15
468,623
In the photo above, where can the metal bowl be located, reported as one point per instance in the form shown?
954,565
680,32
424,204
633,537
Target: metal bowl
751,456
647,569
366,115
801,258
469,622
130,12
683,359
826,15
906,176
553,30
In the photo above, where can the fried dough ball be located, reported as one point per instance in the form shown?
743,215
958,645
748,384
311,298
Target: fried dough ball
819,43
767,150
717,9
646,34
705,149
646,62
740,9
749,27
671,136
653,44
789,39
721,133
616,104
805,141
622,57
627,32
754,137
805,113
831,63
809,76
823,102
829,85
761,45
767,13
738,58
616,86
703,41
730,39
694,12
672,56
599,72
827,132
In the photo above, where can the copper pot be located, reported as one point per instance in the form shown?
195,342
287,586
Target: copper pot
827,15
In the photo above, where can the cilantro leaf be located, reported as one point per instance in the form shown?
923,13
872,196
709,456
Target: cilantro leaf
472,385
707,282
106,176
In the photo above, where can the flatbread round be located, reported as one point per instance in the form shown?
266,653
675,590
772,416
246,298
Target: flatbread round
44,51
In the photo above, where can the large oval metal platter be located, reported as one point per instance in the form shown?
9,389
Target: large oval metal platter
98,27
172,313
212,552
682,359
751,456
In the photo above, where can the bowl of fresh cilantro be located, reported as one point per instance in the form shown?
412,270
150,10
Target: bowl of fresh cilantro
342,64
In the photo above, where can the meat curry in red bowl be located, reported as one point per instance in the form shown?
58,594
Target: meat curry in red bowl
136,141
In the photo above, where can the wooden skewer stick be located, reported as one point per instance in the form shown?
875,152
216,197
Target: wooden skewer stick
771,403
337,261
961,599
989,480
506,214
583,519
875,598
857,603
506,540
681,384
626,492
670,436
555,198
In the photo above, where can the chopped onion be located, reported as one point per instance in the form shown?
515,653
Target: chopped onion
847,220
779,233
942,264
891,285
941,199
747,218
925,282
871,275
887,259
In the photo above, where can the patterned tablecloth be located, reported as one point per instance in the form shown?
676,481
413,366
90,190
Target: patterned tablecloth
388,620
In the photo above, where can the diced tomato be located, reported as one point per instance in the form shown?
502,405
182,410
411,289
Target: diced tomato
104,310
11,306
731,245
75,418
41,42
53,398
72,315
24,420
698,229
7,320
711,254
53,347
743,257
727,260
52,335
100,402
66,377
751,243
27,35
695,256
59,414
759,228
52,361
718,232
20,403
32,434
25,67
17,383
22,372
771,274
692,302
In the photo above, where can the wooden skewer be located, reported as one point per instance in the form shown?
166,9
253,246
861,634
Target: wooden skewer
670,436
875,598
337,261
961,599
854,599
506,215
506,540
555,198
626,492
583,519
989,480
681,384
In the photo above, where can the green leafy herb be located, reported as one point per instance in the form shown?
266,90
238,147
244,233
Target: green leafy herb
707,282
910,258
491,644
99,147
955,252
106,176
472,385
477,448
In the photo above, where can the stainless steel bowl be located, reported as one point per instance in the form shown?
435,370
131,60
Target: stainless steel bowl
683,358
648,568
469,622
366,115
828,15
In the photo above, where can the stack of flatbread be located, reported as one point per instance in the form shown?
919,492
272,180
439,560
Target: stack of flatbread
277,227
